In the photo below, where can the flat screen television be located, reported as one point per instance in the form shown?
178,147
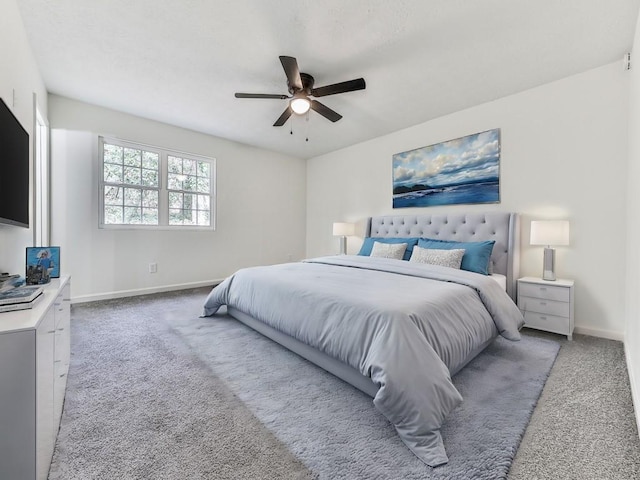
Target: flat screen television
14,169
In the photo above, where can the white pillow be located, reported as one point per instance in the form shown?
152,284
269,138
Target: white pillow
388,250
444,258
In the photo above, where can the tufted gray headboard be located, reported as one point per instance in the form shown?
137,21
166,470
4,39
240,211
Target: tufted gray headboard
462,227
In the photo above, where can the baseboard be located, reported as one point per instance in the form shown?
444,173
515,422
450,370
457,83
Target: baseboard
142,291
596,332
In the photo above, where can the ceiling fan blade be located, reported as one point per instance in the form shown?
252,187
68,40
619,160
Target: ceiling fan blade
290,65
283,118
260,95
342,87
325,111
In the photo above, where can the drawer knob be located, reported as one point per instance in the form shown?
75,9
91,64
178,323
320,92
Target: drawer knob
542,318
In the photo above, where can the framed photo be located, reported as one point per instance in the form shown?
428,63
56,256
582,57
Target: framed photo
43,264
465,170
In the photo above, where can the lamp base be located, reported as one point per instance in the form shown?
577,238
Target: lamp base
549,264
343,245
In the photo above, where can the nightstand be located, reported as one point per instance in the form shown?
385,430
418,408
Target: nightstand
547,305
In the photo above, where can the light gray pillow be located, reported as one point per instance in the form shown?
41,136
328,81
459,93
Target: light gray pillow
388,250
444,258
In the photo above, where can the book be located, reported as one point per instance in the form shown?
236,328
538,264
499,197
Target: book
23,294
7,282
12,307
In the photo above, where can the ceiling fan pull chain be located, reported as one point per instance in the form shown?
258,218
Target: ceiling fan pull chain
307,135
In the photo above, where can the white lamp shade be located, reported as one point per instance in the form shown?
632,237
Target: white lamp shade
549,232
344,229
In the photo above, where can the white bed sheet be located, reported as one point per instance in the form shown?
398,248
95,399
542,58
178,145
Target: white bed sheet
501,279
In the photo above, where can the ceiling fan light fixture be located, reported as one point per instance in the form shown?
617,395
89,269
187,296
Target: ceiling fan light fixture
300,105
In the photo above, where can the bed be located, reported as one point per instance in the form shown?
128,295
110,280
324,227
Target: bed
394,329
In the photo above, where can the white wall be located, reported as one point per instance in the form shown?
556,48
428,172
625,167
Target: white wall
564,150
18,73
260,213
632,333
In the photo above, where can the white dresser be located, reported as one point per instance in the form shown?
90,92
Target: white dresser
34,362
547,305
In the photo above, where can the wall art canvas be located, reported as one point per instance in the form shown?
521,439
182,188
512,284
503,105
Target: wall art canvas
43,263
461,171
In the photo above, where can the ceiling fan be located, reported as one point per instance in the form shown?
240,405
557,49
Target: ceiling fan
300,87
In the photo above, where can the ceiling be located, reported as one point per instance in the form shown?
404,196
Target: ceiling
181,61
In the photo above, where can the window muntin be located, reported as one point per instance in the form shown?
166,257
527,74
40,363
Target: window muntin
133,193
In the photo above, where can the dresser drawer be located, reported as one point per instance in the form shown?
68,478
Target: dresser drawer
549,323
550,292
539,305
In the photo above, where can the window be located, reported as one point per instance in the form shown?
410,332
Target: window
41,207
147,187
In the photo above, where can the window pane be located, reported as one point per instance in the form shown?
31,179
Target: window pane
203,202
132,157
132,176
203,218
174,182
175,165
150,160
132,215
132,197
112,173
150,216
113,215
150,199
203,185
175,216
189,183
188,166
112,154
113,196
203,169
188,201
149,178
175,200
188,217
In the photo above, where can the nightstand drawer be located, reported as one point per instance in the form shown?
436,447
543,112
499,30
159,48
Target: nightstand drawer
539,305
549,323
550,292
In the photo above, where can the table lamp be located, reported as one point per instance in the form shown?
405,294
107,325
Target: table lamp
548,233
343,230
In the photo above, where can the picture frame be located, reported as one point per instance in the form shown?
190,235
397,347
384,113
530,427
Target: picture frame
464,170
42,264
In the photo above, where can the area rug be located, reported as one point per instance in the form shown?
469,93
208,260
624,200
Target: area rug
157,392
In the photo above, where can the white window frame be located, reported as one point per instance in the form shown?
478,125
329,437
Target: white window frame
163,190
41,179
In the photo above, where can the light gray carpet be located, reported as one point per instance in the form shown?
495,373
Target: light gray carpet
141,405
156,392
584,425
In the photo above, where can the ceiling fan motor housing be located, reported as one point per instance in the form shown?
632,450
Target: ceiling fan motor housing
307,84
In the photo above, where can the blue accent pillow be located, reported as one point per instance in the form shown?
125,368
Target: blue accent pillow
476,257
367,245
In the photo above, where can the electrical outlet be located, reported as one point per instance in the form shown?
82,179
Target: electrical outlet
153,267
289,257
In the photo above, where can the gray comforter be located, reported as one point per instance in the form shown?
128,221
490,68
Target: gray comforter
404,325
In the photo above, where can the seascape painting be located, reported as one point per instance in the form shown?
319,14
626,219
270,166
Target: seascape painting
461,171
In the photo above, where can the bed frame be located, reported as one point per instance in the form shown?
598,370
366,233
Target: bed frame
464,227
